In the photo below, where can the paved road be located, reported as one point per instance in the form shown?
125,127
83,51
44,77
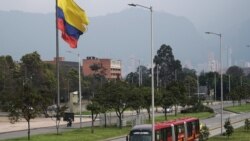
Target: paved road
43,130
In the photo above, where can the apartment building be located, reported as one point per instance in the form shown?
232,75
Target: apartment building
111,69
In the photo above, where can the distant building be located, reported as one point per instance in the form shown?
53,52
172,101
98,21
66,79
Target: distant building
111,69
65,65
246,71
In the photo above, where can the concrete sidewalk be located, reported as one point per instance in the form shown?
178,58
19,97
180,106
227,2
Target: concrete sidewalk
6,126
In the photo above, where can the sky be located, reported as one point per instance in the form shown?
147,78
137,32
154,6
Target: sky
206,15
203,13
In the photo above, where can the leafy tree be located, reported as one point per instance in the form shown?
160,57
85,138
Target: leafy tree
168,65
117,95
24,104
236,76
42,81
167,101
177,91
229,128
137,101
23,99
98,77
190,85
147,98
133,77
9,72
41,77
102,99
95,108
234,95
235,71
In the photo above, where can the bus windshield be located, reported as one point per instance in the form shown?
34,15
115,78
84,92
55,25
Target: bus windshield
140,136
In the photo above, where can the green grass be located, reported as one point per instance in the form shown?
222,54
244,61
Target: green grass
239,108
239,135
201,115
83,134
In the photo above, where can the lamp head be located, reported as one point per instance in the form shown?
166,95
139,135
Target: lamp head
208,32
131,4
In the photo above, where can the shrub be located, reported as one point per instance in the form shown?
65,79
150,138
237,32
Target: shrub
247,124
204,133
198,108
229,128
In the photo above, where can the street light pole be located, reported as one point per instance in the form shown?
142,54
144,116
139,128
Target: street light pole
152,63
80,88
221,80
198,87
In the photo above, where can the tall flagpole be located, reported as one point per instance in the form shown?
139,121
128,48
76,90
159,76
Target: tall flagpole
57,61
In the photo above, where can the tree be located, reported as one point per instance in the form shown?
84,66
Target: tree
98,78
190,85
137,101
42,80
41,77
133,77
177,91
147,98
9,72
102,99
118,96
23,99
234,95
167,101
168,66
236,76
95,108
235,71
229,128
24,104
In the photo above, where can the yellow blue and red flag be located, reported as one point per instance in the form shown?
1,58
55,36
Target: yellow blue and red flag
71,20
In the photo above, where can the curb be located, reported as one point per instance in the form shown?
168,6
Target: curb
109,139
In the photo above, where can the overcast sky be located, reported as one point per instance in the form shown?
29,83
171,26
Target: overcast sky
202,13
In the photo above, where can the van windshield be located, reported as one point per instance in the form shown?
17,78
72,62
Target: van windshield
140,136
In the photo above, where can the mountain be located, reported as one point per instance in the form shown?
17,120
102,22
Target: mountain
121,36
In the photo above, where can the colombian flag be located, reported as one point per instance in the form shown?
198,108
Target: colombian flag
71,20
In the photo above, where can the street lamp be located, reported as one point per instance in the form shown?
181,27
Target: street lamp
221,78
80,89
152,69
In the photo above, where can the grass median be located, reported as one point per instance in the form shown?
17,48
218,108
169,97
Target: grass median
239,134
239,108
201,115
83,134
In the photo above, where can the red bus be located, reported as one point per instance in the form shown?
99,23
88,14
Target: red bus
184,129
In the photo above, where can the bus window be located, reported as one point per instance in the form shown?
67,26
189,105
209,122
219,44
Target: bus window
190,129
197,127
140,136
169,134
157,135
